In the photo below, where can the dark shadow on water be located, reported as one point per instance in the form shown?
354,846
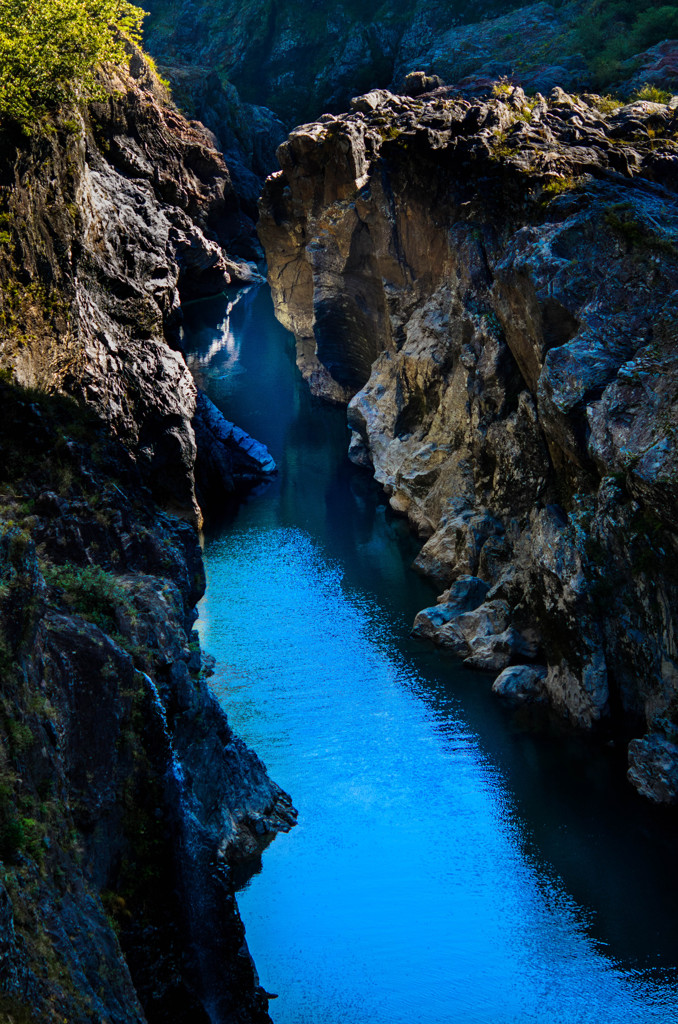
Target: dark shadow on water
243,871
221,511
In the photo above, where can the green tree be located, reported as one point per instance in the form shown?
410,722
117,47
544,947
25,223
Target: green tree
50,51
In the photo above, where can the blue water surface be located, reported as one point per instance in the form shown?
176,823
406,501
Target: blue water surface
452,863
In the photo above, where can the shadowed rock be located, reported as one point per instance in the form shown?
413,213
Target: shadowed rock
228,459
653,768
520,684
520,256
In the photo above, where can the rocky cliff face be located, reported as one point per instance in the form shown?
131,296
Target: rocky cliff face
125,798
248,134
300,62
108,221
493,286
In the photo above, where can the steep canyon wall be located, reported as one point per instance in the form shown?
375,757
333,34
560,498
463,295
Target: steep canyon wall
492,285
125,798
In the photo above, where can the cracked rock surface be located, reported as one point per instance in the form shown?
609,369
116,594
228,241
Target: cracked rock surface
492,286
126,800
113,218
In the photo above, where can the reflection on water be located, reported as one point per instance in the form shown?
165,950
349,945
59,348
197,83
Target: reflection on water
450,865
219,344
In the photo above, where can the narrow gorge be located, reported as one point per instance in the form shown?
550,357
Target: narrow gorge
415,537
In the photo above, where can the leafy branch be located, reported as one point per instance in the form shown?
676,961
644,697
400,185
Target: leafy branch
50,51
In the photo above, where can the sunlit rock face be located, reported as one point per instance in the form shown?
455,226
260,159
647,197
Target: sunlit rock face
510,266
114,218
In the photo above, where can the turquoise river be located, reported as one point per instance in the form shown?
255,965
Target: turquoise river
453,864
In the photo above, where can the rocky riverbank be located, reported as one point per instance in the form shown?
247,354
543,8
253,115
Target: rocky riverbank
492,285
125,798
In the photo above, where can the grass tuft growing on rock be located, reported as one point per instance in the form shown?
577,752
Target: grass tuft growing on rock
651,94
91,591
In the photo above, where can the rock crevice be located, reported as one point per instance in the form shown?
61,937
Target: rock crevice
521,256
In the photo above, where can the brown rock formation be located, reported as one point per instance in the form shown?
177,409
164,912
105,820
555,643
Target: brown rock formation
493,285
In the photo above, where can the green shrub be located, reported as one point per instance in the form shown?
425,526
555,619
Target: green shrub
607,104
14,1011
12,837
20,736
33,834
652,94
623,220
50,51
90,591
654,24
611,31
556,186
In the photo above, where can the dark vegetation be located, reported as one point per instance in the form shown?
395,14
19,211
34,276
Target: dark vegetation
303,61
613,31
240,40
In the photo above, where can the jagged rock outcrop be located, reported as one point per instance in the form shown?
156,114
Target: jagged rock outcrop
108,221
228,457
125,798
494,286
